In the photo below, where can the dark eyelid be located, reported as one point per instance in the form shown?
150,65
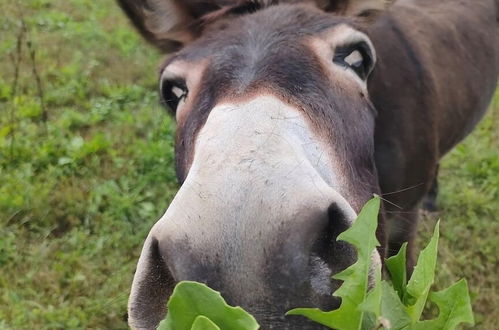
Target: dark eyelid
345,50
177,82
173,82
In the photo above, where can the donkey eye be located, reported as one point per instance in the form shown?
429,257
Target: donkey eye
173,92
355,57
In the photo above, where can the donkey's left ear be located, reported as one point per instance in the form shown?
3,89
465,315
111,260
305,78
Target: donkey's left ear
353,7
168,24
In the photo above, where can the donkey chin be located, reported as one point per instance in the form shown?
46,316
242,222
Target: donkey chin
256,218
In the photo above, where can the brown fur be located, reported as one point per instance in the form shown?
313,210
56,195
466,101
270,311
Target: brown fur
437,68
444,83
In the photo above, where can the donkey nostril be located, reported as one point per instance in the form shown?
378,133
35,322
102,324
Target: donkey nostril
337,223
338,220
338,255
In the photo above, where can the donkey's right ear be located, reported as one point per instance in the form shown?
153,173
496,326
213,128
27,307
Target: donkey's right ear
167,24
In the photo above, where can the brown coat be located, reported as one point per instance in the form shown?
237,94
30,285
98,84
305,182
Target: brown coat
436,70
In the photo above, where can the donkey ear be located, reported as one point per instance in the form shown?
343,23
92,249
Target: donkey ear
353,7
168,24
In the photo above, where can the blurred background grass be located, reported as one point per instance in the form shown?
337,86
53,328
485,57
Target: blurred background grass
86,168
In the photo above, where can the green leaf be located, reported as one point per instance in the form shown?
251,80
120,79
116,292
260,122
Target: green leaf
422,278
372,304
353,291
393,312
190,300
454,308
203,323
396,265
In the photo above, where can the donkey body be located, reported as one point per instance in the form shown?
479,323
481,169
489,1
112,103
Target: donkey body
436,73
284,132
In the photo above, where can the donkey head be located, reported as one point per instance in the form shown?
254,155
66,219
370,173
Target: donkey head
274,150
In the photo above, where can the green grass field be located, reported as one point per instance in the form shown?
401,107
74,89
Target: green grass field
86,168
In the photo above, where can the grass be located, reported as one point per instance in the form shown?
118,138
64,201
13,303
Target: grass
80,190
469,208
86,168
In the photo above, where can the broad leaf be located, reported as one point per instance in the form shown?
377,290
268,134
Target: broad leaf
454,308
353,291
396,265
194,306
372,304
392,310
422,278
203,323
190,300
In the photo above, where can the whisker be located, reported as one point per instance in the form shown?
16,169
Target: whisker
402,212
387,201
404,189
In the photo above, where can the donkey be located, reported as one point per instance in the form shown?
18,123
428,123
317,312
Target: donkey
290,115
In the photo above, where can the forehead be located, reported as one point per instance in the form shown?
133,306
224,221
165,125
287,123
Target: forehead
261,33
